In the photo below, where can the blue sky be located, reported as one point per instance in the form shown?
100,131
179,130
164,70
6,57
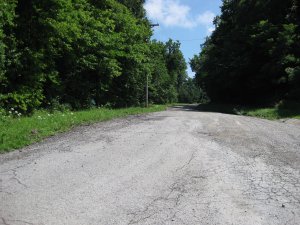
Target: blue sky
189,21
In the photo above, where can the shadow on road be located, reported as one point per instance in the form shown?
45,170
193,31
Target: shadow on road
191,107
226,109
218,108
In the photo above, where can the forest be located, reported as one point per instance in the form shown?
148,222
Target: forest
80,54
85,53
253,56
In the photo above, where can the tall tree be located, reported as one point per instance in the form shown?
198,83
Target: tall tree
7,39
136,7
83,53
252,56
176,63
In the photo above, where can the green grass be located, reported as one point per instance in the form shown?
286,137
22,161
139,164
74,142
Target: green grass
265,113
16,133
272,113
281,111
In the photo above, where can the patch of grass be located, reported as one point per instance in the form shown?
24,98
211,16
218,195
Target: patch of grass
280,111
265,113
19,132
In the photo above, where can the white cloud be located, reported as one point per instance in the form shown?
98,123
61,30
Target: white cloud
210,30
206,18
172,13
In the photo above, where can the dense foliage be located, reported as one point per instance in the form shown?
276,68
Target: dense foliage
253,56
189,92
83,53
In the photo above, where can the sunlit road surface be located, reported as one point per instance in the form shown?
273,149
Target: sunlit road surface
175,167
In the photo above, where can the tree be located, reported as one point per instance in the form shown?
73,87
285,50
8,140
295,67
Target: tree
136,7
252,57
189,92
82,53
176,63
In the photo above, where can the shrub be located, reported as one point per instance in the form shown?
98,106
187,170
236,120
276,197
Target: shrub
24,102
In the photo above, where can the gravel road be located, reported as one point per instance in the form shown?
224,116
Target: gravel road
175,167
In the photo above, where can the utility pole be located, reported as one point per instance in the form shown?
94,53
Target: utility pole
147,82
147,92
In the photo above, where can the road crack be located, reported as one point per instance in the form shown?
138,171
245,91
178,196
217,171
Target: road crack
188,162
17,179
4,221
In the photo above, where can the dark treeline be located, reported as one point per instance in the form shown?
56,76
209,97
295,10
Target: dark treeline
253,56
83,53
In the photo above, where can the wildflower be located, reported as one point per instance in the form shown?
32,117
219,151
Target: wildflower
9,112
12,109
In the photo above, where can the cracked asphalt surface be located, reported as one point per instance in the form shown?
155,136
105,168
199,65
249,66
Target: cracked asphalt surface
175,167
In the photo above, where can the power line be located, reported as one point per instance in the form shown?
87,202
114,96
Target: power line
201,39
187,40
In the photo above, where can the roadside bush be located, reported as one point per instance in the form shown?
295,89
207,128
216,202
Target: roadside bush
55,105
24,102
